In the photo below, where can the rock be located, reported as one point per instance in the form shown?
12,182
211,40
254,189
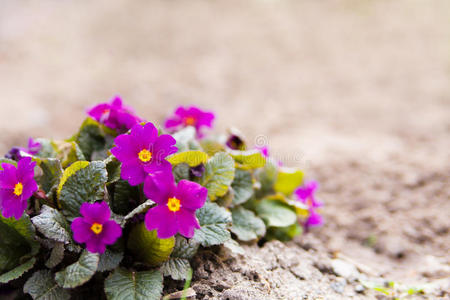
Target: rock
344,269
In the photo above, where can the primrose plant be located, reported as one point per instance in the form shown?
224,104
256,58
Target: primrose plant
122,204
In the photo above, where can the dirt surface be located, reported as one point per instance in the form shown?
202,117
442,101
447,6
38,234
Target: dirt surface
355,92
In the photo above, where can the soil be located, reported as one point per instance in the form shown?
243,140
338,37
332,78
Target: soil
357,93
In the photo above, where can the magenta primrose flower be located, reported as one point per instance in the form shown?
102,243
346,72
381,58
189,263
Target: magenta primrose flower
17,185
95,227
114,114
306,194
143,152
175,212
190,116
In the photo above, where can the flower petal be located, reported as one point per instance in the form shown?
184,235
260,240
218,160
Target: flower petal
95,245
191,194
95,212
163,220
159,188
81,230
164,145
187,222
133,173
111,232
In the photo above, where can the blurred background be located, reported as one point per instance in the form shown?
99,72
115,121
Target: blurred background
357,92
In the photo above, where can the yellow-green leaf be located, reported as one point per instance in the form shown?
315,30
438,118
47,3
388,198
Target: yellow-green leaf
192,158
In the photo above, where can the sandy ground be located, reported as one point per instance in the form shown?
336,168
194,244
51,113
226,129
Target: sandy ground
355,92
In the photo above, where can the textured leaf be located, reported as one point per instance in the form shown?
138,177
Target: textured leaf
81,182
18,271
242,186
79,272
284,234
276,213
138,210
126,285
246,226
218,175
234,247
109,260
67,152
47,149
92,137
185,248
213,221
185,137
52,172
180,172
211,147
177,268
192,158
113,166
42,286
266,177
288,180
51,223
250,159
56,256
147,247
124,196
16,242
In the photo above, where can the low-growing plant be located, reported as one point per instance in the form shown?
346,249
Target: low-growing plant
122,204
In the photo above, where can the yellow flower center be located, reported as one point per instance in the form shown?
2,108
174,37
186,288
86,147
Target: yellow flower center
309,202
189,121
145,155
174,204
97,228
18,189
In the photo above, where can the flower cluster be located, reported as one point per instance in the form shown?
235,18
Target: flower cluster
138,202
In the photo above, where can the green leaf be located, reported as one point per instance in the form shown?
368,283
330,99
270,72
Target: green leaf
288,180
126,285
56,256
113,166
18,271
213,220
192,158
177,268
185,138
17,242
109,260
211,147
93,137
81,182
51,223
218,175
123,196
267,177
181,172
234,247
284,234
138,210
242,186
52,171
42,286
79,272
276,213
185,248
67,152
47,149
147,247
246,226
250,159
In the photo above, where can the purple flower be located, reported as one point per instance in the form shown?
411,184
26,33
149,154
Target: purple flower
17,185
306,194
114,115
33,148
143,152
95,227
191,116
175,212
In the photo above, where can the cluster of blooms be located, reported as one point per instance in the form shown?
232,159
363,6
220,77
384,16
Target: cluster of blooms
142,152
